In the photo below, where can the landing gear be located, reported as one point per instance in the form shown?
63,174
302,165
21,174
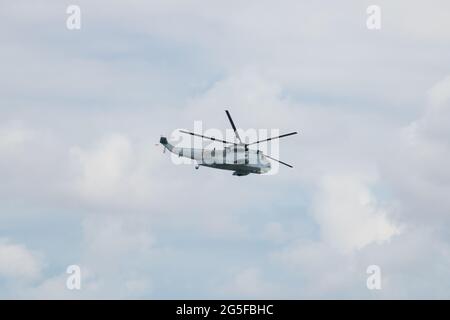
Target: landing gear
197,166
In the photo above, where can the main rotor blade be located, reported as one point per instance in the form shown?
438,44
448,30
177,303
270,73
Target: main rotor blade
234,127
273,138
279,161
210,138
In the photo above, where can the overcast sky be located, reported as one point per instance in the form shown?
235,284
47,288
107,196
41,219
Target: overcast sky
83,183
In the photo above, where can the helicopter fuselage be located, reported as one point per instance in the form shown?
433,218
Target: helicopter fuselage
236,158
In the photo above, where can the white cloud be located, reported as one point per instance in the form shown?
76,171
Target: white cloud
18,263
117,251
319,270
416,168
103,169
115,236
13,137
349,215
411,265
113,172
319,71
440,92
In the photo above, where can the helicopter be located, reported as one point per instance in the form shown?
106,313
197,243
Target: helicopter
236,157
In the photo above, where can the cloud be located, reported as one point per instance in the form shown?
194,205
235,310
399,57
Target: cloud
416,169
382,217
103,169
249,283
318,270
13,137
348,213
114,171
117,252
81,112
116,236
440,93
411,264
18,263
274,231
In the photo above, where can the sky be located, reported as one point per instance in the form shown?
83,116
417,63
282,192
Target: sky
82,182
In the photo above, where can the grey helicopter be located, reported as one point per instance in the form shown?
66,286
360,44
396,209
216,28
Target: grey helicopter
236,157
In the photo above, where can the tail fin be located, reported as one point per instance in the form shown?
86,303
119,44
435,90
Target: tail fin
165,143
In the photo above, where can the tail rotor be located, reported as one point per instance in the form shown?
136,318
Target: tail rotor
160,144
